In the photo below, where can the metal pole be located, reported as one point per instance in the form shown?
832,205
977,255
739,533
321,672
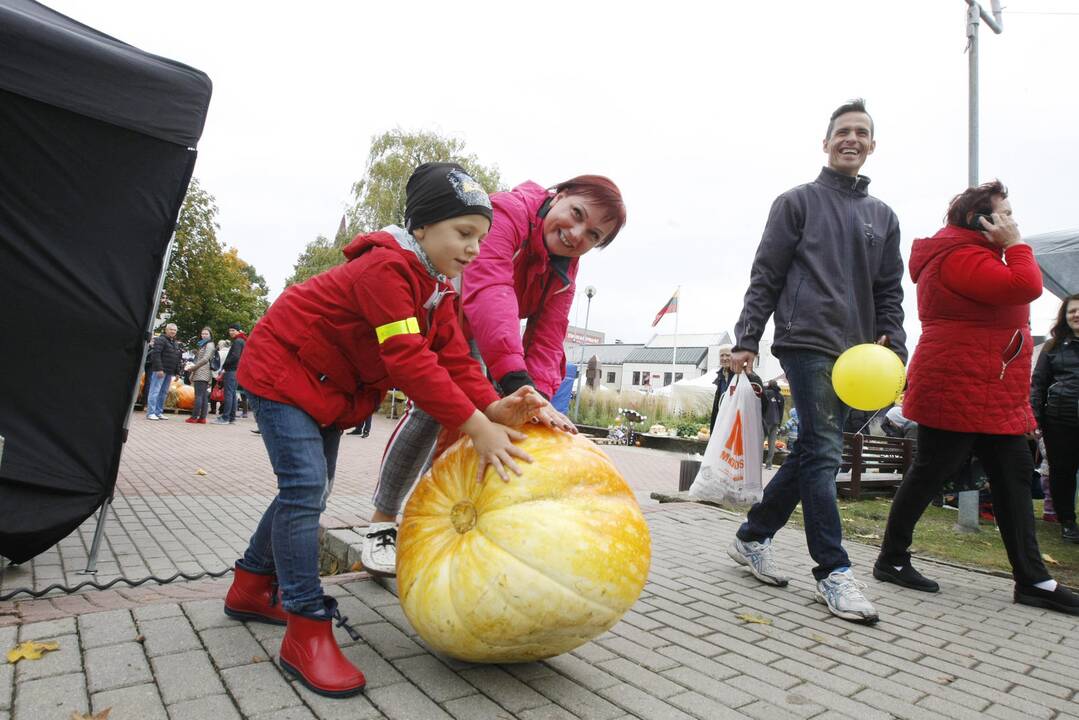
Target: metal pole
589,292
972,94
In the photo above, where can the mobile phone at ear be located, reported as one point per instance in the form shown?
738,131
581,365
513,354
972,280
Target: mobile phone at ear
975,221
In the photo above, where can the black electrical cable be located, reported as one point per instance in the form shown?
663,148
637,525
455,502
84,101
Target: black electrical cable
97,586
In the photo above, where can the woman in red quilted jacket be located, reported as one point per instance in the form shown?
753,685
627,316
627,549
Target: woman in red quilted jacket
969,387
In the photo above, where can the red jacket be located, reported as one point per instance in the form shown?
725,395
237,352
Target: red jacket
317,347
513,279
971,370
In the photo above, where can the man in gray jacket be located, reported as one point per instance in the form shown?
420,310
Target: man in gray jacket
828,268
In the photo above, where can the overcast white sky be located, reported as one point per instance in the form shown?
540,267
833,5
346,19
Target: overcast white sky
701,112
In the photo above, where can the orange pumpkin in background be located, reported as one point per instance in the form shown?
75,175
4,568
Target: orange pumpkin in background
180,396
526,569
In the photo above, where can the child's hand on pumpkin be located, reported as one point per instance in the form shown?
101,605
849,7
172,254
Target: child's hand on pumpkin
517,408
494,446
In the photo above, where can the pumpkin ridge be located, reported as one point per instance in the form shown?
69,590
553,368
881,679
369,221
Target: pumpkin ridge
536,570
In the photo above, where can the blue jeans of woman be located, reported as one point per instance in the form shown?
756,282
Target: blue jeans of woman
304,457
808,474
202,402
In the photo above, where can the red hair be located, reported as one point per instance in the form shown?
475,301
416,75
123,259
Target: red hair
604,193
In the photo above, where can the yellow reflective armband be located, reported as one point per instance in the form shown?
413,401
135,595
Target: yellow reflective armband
408,326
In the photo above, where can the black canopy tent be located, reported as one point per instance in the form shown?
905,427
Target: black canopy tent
98,145
1057,254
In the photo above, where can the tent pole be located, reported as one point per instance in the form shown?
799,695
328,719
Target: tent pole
99,532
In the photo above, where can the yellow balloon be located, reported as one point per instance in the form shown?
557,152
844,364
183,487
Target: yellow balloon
868,377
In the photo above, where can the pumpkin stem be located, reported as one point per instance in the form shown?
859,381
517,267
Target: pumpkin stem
463,516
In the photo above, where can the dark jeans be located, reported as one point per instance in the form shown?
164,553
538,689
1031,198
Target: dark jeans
808,473
202,394
228,407
1008,465
304,457
1062,449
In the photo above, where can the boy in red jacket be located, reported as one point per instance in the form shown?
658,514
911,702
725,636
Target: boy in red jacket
320,361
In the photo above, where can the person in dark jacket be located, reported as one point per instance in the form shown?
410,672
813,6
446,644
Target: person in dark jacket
1054,398
229,368
828,268
974,293
773,404
722,382
165,361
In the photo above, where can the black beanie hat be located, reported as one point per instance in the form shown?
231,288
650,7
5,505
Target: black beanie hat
440,191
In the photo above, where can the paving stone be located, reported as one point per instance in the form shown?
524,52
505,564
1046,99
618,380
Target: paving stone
156,612
477,707
232,646
642,704
205,614
378,672
435,679
357,707
726,694
298,712
406,702
581,672
575,698
390,642
51,697
48,630
106,628
503,688
357,612
371,593
703,707
168,635
116,666
259,688
139,702
64,661
7,681
548,712
647,680
185,676
212,707
651,659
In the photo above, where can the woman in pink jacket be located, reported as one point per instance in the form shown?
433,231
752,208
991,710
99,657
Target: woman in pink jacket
525,271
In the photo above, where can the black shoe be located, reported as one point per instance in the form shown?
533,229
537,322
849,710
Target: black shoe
364,434
908,577
355,431
1062,599
1069,532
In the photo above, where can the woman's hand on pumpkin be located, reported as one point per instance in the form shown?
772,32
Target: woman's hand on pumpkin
550,417
494,446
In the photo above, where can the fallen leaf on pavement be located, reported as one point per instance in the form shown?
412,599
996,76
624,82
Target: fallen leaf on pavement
103,715
1049,559
756,619
356,566
258,658
30,650
200,471
868,536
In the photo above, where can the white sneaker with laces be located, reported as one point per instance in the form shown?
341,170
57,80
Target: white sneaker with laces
843,596
152,417
379,552
758,557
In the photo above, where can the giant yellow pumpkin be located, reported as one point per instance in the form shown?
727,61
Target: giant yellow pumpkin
526,569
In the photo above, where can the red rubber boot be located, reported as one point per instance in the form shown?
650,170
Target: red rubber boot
253,596
310,653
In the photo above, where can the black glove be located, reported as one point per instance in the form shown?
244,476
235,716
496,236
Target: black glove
511,382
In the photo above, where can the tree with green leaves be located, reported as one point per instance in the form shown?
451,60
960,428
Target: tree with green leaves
378,199
207,284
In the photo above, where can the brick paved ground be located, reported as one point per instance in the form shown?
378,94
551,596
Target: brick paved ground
682,652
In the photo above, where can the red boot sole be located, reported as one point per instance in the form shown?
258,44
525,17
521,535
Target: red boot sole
253,617
317,690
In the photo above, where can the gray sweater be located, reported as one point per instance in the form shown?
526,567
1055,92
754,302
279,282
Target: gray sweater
828,267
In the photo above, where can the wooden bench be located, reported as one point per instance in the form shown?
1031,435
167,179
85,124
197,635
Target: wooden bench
889,457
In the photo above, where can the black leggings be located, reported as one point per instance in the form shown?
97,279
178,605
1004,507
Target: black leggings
1009,465
1062,449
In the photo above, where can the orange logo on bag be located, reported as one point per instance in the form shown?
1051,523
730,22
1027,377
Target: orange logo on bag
734,440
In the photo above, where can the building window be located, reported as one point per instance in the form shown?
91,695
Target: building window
666,379
610,378
636,377
677,377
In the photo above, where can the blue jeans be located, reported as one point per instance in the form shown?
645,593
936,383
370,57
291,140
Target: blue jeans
155,396
304,457
228,406
808,474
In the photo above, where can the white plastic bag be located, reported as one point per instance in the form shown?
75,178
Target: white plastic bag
731,468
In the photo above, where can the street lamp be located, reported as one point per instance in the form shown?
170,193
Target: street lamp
589,292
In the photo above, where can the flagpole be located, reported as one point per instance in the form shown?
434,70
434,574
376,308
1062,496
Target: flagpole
674,354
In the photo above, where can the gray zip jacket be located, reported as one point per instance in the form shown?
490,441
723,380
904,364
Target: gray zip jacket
829,268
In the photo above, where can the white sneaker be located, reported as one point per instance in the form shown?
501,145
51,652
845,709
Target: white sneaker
379,553
843,596
152,417
760,560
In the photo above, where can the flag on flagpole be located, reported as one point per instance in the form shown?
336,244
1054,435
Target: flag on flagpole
342,227
670,307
